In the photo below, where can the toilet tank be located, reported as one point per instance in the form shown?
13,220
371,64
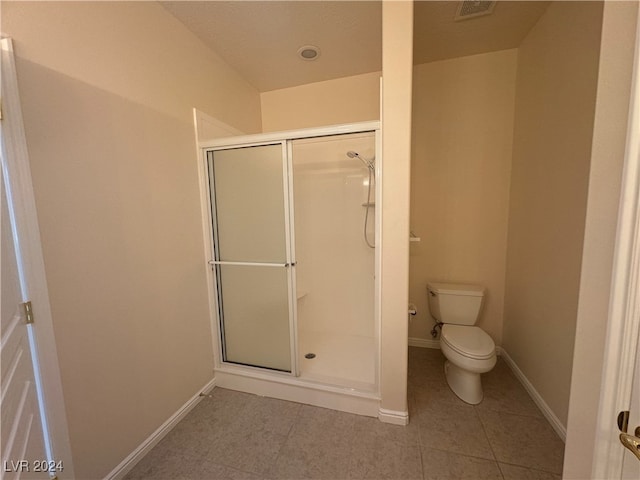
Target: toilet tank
453,303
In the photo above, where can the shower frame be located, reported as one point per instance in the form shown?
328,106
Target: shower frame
273,383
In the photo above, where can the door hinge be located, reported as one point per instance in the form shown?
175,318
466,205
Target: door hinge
623,421
27,309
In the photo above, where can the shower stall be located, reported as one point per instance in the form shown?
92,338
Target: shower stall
293,231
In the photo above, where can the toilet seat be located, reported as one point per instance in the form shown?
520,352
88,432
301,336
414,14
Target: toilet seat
468,341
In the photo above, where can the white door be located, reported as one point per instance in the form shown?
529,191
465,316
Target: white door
631,440
34,435
631,463
23,448
620,385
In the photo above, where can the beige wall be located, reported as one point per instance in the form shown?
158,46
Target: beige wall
585,441
332,102
107,90
555,101
138,52
461,164
397,71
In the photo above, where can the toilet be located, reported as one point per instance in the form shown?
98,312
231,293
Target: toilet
469,350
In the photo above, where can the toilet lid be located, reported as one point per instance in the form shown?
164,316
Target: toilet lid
469,341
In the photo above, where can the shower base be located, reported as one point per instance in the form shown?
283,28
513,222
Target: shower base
351,397
342,375
340,360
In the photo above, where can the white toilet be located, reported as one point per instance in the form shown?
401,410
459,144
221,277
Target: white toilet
469,350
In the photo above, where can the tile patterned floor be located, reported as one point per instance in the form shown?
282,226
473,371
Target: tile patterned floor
234,435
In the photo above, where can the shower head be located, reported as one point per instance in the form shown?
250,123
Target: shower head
368,163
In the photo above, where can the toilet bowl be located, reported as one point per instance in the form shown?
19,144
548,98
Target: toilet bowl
469,350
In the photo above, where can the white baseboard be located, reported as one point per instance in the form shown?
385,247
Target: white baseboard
423,343
145,447
557,425
393,416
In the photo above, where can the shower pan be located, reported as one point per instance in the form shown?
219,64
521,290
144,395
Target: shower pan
293,286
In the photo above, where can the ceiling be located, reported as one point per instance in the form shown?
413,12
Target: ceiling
261,39
436,36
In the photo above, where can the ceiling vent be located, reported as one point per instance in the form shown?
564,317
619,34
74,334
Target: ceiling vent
471,9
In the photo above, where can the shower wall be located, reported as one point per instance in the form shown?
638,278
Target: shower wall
335,267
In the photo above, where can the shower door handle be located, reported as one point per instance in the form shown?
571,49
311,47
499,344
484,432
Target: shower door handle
250,264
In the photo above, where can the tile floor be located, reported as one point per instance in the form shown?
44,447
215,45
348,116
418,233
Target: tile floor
240,436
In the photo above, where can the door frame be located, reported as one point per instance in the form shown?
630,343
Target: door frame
623,326
31,265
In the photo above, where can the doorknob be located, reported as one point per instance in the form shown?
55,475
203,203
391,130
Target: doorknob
632,443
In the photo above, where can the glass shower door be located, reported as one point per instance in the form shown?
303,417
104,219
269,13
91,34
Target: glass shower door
252,254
